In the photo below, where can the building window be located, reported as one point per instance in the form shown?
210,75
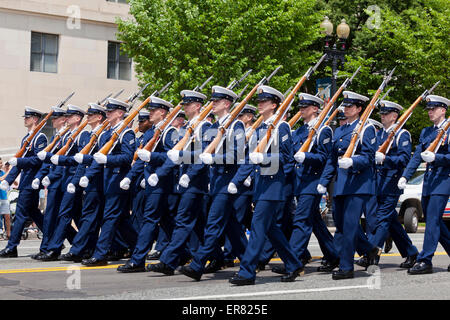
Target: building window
117,1
44,52
119,65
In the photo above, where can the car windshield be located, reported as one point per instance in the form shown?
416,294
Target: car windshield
418,179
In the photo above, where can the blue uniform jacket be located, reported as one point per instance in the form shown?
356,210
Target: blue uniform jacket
360,177
437,173
53,172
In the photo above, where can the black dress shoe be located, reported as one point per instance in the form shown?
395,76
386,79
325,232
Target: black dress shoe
214,266
409,262
116,255
154,256
305,261
363,262
191,273
160,268
130,267
291,276
8,253
421,268
388,245
228,263
374,256
93,262
279,270
341,274
261,266
328,266
241,281
70,257
49,256
37,256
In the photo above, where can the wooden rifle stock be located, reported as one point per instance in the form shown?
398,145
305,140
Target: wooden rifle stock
332,116
295,119
88,148
30,138
71,139
435,144
255,125
58,136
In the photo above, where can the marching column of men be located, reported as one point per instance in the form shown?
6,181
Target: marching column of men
192,203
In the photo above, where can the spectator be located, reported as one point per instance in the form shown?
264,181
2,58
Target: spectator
4,204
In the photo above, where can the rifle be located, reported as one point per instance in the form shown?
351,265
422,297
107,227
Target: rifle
384,148
434,146
159,129
116,133
94,137
284,107
307,145
203,114
38,128
59,135
132,99
366,114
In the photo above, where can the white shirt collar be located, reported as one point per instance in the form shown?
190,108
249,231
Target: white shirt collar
223,119
440,123
357,119
389,129
270,120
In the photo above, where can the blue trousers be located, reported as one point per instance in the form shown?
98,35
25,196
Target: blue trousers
346,214
307,219
221,218
189,208
137,207
164,234
54,199
116,218
264,225
435,230
27,206
70,208
91,216
155,212
387,223
372,217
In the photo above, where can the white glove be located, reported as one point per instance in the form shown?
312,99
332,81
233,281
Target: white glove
100,158
232,188
54,159
71,188
401,183
206,158
143,183
79,158
35,184
184,181
299,157
321,189
248,181
173,155
125,184
144,155
13,161
428,156
46,181
345,163
84,182
41,155
379,157
4,185
256,157
153,179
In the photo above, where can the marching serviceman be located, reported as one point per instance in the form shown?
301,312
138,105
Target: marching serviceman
436,183
83,244
354,185
389,170
156,203
115,165
192,185
308,170
269,179
224,162
27,166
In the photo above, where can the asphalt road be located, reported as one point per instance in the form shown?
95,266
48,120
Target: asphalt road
23,279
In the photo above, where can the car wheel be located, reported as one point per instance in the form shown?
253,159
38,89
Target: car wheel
411,219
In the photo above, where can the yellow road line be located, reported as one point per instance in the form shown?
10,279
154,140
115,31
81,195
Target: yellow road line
114,266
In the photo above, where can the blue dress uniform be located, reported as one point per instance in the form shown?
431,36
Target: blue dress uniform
221,217
352,189
191,196
156,196
71,203
28,200
435,191
269,198
389,171
116,216
308,169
